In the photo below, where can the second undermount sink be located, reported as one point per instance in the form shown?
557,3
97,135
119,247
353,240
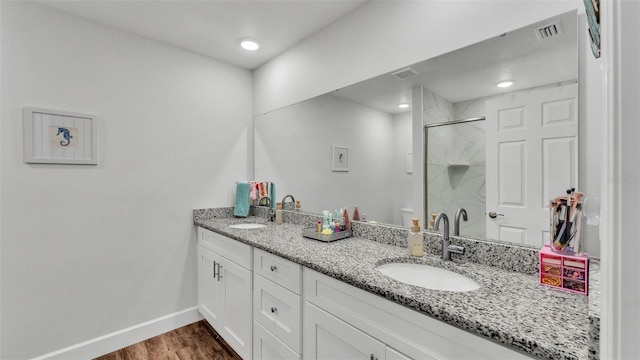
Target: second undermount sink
427,276
247,226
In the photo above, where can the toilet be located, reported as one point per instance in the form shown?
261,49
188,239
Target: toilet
407,214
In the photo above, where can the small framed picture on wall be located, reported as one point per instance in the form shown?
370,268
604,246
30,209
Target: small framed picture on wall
59,137
340,160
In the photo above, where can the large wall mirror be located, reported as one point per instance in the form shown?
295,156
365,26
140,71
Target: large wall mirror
296,146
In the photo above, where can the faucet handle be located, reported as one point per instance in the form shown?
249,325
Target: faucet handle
456,249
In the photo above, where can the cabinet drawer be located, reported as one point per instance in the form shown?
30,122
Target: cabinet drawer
279,270
268,347
231,249
277,310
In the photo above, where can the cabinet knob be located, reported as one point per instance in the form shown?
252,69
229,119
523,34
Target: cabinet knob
273,268
274,309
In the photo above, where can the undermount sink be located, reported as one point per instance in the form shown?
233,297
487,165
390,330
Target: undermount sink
247,226
427,276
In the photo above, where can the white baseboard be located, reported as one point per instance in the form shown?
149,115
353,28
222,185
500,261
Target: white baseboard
117,340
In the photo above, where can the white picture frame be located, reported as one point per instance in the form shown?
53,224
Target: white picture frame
60,137
340,159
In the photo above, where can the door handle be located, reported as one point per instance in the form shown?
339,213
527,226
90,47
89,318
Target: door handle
214,269
493,214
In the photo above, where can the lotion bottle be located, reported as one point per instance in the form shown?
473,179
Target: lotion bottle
415,239
278,213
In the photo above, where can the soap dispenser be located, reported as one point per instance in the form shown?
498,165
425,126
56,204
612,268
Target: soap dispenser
415,239
278,213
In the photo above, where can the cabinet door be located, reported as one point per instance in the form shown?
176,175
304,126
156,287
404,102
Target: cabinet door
236,329
327,337
210,290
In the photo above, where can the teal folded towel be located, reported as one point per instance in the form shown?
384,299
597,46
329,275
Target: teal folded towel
272,192
242,200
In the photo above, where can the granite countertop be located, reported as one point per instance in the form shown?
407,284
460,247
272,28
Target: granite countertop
510,307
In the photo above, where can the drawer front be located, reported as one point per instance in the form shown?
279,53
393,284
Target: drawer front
231,249
277,310
281,271
268,347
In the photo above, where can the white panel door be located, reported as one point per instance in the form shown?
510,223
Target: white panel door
327,337
532,156
236,281
210,291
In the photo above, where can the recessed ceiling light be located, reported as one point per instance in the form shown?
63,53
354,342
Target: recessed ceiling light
505,84
249,44
403,105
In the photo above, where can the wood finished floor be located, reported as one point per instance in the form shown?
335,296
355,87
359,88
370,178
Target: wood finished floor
197,341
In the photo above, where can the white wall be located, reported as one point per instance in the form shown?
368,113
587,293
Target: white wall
293,149
620,308
89,250
382,36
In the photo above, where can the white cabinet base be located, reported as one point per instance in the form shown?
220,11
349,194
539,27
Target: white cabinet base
225,289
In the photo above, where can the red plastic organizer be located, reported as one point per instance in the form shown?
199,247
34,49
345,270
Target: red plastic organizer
564,272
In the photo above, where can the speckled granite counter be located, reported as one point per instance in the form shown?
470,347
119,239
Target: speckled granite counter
510,308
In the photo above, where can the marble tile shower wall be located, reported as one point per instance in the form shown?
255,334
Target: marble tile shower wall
504,256
455,165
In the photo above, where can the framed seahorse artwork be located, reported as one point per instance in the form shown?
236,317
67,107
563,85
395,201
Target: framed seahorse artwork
59,137
340,160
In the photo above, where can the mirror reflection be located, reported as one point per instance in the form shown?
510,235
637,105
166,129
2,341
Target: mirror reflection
293,145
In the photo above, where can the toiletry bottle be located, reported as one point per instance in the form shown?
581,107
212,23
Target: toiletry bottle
298,206
433,221
415,239
278,213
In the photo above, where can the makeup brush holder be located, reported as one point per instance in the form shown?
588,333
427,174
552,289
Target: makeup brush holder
566,225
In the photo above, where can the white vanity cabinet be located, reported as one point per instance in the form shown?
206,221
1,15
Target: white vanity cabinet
342,321
224,288
277,307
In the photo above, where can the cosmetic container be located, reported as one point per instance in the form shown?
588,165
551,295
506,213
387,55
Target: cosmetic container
278,213
415,239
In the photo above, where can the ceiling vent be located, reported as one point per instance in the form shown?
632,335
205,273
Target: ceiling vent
405,73
548,31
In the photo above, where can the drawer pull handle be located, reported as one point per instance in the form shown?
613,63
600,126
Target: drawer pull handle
274,309
273,268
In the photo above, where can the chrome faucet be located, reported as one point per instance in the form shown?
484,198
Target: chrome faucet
456,222
447,248
267,202
271,213
292,200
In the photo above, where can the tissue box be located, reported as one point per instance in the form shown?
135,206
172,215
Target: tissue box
564,272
